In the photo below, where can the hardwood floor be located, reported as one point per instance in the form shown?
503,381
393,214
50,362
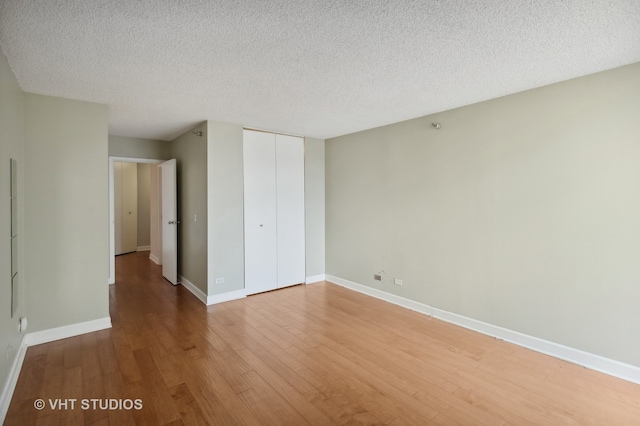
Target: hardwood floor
316,354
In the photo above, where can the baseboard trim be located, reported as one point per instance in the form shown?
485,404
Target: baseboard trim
37,338
315,279
226,297
595,362
193,289
155,259
12,380
213,299
49,335
143,248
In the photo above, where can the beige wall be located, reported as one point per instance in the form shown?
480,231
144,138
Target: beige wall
226,204
121,146
11,146
521,211
66,211
314,205
190,152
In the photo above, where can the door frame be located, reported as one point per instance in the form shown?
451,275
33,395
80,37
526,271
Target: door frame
112,214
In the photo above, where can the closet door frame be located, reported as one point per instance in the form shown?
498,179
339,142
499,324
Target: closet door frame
274,215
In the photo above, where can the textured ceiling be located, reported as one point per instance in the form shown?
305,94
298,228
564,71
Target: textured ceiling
308,67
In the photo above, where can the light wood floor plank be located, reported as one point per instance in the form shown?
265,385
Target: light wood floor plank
317,354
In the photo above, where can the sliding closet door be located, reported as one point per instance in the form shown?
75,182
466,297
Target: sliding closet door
260,224
290,210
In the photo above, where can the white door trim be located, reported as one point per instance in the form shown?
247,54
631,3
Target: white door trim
112,233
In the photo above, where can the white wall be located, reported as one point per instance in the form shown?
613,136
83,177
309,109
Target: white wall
66,211
522,212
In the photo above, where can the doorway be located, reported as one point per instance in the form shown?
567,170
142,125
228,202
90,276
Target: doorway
154,211
132,207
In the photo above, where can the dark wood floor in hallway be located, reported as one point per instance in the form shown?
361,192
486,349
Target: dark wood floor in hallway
316,354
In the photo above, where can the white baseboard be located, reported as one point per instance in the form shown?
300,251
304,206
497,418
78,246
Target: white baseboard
216,298
226,297
45,336
193,289
155,259
12,380
37,338
315,279
143,248
595,362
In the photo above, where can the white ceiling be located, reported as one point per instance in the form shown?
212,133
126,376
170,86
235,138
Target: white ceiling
308,67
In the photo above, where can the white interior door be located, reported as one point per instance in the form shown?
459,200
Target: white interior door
260,212
126,207
290,210
169,221
129,216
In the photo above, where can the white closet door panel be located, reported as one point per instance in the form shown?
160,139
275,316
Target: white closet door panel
129,207
290,210
260,212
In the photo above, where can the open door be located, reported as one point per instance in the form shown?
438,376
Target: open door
169,221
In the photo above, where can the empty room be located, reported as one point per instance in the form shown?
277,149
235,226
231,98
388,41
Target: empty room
329,213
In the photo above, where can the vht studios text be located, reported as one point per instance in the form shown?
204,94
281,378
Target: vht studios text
88,404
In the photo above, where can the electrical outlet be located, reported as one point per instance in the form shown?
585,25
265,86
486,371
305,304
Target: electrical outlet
397,281
219,280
